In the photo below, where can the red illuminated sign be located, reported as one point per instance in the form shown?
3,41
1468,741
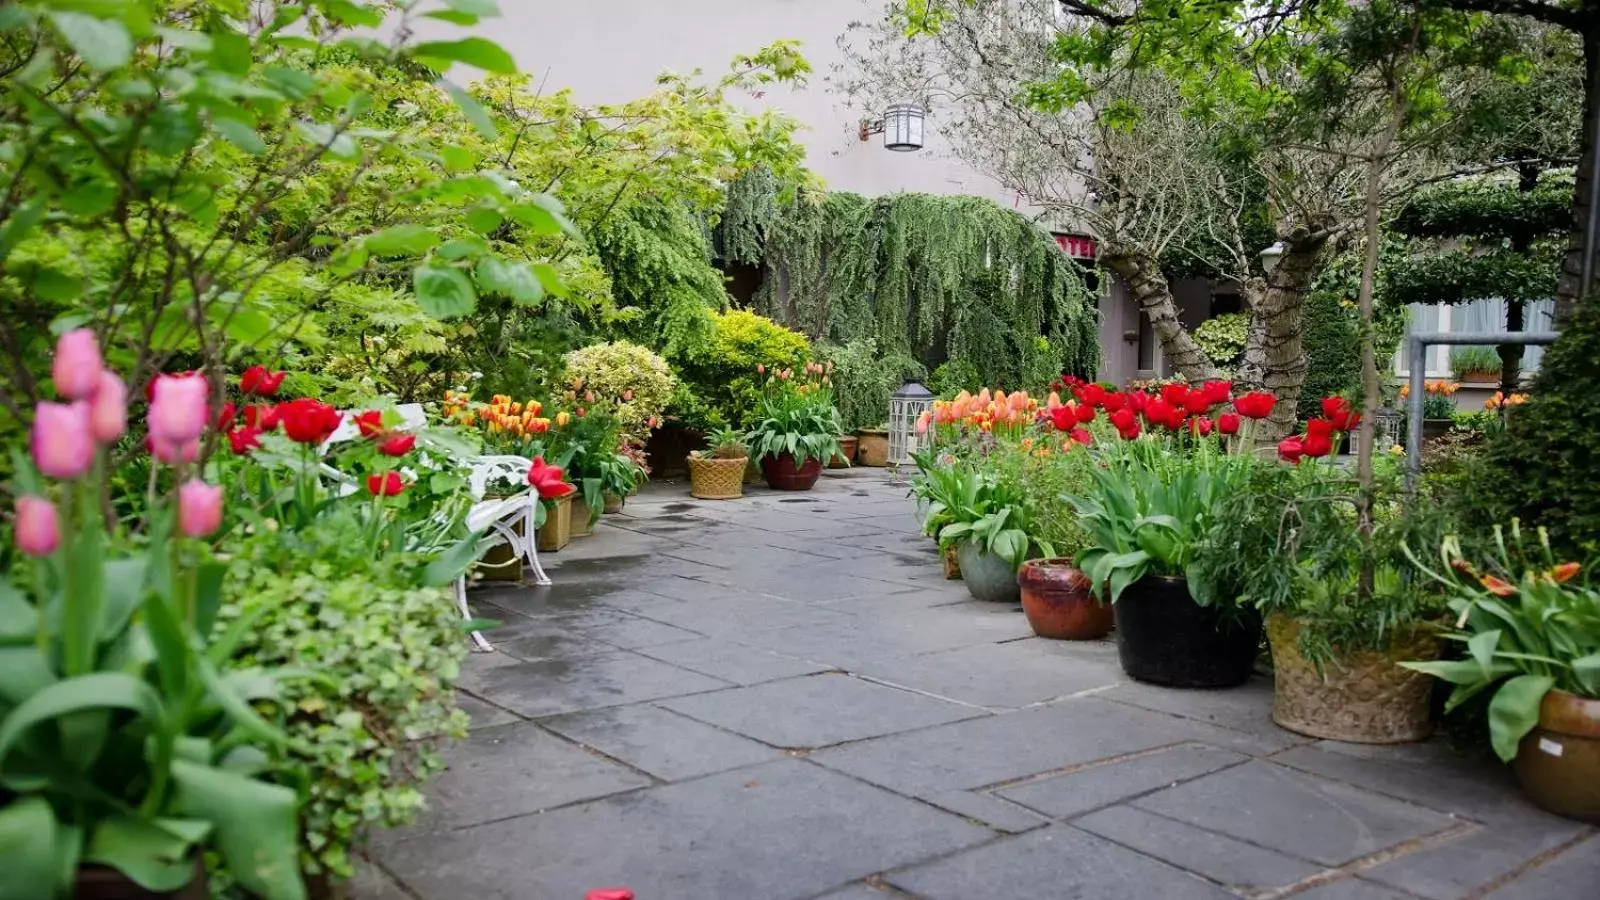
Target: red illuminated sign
1078,246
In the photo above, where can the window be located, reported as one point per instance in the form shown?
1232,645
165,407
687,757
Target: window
1477,317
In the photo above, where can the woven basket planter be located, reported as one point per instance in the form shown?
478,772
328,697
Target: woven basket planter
1363,697
716,479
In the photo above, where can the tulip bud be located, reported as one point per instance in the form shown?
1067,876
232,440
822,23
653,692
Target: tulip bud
38,526
76,367
62,440
178,409
108,410
199,508
171,454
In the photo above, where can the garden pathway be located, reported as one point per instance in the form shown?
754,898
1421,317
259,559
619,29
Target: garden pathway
781,698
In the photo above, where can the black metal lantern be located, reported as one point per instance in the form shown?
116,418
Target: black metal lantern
901,127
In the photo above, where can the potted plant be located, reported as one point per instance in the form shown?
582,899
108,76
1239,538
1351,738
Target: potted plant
986,527
1531,629
1289,544
1476,365
1145,514
1057,597
873,446
846,454
1438,407
717,473
130,749
936,488
797,432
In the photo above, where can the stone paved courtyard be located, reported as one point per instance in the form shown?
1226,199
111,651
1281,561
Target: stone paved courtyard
780,698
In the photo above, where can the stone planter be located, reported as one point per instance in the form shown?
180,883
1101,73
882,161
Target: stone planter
846,454
716,479
872,447
950,563
556,532
1558,762
1165,638
1059,604
1363,697
988,577
783,475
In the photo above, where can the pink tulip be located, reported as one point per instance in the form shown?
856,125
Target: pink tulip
62,444
922,422
108,411
178,409
171,454
76,367
38,527
199,508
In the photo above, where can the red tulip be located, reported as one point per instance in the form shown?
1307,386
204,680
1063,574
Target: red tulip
1290,449
1321,428
259,381
1331,406
62,440
1317,446
1063,418
225,416
387,484
1565,572
1343,417
244,439
1113,401
1498,587
1196,403
1158,411
76,367
308,421
1085,413
1175,394
1093,395
548,480
1228,423
1124,419
1255,405
1137,401
263,416
1082,436
370,423
397,445
1217,392
38,531
1200,426
614,893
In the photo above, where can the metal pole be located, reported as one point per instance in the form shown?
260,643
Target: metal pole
1591,230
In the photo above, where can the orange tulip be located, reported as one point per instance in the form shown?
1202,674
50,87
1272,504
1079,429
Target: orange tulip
1052,401
1498,587
1564,572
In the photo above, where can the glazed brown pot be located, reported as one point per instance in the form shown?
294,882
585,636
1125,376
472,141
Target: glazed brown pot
846,454
103,883
873,447
1057,600
1364,697
1558,762
783,475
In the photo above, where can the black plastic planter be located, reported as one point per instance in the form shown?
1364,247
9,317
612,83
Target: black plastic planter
1165,638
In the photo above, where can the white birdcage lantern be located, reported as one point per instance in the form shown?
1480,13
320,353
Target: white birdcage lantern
901,127
906,406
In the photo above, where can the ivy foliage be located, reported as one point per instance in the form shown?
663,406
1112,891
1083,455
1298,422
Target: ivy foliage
1223,338
929,279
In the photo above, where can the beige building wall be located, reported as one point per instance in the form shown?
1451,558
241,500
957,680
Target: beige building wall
612,50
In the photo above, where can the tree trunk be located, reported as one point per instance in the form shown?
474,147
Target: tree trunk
1570,289
1154,295
1274,357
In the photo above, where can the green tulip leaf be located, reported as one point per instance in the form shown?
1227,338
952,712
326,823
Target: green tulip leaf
158,855
1514,711
256,826
29,836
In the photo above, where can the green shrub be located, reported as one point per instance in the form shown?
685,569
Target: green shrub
389,653
721,375
612,370
1223,339
863,379
1331,336
1544,468
953,377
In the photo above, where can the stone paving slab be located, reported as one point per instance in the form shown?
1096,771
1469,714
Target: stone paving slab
1574,874
664,744
740,619
818,710
1282,809
732,662
785,830
1231,863
996,676
1352,889
611,678
1075,793
1061,863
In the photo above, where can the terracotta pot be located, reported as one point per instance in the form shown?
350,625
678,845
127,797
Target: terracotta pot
951,563
1056,598
501,562
556,532
1165,638
846,454
1363,697
716,479
614,504
783,475
1480,378
102,883
1558,762
988,577
872,447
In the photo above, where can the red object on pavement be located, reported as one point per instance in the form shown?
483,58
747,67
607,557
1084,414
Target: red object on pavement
616,893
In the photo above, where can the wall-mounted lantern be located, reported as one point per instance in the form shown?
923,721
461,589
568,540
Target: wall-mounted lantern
901,127
1270,257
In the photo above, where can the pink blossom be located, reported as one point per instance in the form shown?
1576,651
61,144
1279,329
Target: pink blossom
178,409
76,367
108,410
38,527
61,441
173,454
199,508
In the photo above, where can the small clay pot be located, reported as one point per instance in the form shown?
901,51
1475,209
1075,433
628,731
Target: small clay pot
1059,602
1558,762
783,475
846,454
988,577
873,447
